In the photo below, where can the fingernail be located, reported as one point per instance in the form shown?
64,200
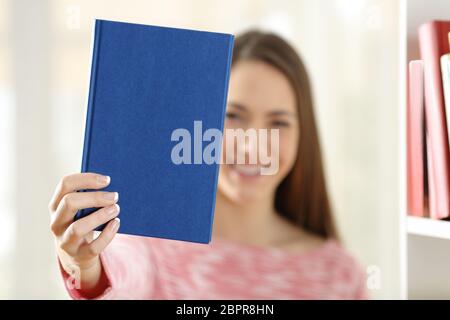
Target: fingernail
111,196
115,224
103,180
111,211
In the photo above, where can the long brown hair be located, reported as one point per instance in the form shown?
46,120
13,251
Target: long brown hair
302,196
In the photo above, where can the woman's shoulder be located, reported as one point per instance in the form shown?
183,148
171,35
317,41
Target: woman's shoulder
335,265
343,267
336,254
326,254
329,251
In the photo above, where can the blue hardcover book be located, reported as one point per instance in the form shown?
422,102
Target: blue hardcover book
151,90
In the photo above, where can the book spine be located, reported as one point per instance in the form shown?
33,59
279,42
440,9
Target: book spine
224,106
90,105
91,95
430,44
416,143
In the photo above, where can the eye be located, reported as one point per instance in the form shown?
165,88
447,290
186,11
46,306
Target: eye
280,123
232,115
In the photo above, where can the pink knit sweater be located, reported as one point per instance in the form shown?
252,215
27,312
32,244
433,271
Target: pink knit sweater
151,268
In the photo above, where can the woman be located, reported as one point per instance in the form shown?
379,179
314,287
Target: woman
273,236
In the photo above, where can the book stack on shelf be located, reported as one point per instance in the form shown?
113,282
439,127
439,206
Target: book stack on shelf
428,123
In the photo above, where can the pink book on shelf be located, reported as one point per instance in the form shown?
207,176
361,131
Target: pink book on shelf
415,140
433,43
431,173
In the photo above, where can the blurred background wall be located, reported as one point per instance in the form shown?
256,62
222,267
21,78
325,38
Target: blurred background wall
350,48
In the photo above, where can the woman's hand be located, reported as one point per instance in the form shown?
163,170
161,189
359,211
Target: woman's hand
77,249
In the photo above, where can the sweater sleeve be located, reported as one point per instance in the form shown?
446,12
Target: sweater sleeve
129,271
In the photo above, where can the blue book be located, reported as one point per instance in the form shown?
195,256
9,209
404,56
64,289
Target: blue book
149,87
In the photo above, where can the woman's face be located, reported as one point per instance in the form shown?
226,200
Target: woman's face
259,97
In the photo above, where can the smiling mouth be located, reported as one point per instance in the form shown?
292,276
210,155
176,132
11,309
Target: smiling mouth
246,170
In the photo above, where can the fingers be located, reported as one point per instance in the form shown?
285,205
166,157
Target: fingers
75,201
80,228
77,181
102,241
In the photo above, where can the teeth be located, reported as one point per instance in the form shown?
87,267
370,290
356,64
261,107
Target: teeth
248,170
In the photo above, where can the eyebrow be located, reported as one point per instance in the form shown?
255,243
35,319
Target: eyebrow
282,113
271,113
237,106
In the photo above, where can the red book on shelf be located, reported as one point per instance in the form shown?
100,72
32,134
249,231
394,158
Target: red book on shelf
433,43
416,140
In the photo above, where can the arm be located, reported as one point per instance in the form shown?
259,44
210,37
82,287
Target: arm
127,272
92,268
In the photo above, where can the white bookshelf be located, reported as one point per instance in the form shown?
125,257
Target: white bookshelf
428,259
426,242
428,228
